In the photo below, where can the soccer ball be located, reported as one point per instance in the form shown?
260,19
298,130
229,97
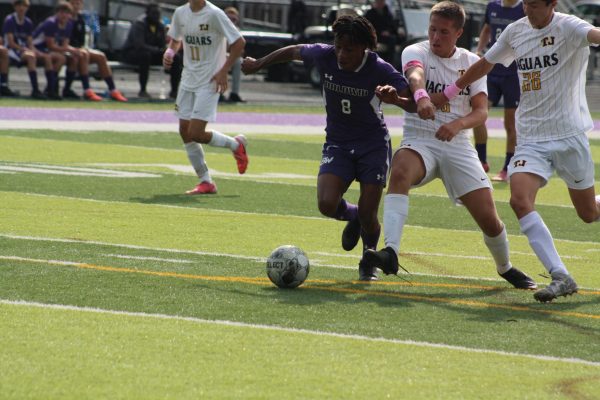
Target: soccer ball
287,266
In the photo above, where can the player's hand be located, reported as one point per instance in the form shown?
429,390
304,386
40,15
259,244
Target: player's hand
220,80
387,94
425,109
447,131
167,62
250,65
438,99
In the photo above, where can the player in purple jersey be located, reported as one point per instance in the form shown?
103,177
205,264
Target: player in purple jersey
357,143
501,82
17,31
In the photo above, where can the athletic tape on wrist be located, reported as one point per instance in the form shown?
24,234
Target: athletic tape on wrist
170,53
451,91
420,94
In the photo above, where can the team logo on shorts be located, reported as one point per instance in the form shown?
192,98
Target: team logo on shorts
326,160
519,163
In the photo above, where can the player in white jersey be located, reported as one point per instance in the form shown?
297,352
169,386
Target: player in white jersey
205,32
436,143
551,50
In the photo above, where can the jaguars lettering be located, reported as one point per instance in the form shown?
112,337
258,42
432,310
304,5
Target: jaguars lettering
198,41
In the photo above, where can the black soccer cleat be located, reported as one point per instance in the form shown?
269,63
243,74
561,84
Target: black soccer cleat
366,273
385,259
519,279
351,234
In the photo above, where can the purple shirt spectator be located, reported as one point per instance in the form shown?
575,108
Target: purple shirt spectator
50,28
20,31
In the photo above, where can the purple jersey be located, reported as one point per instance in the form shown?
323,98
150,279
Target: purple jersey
20,31
353,111
49,28
498,18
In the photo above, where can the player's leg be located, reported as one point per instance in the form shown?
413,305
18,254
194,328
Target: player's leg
480,134
511,143
4,63
84,75
408,169
524,187
369,227
57,60
480,205
195,154
511,92
99,58
204,109
28,58
73,65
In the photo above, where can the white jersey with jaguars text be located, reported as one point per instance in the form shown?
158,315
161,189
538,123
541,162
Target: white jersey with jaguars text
551,64
204,35
439,73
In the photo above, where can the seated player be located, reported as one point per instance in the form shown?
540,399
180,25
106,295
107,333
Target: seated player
93,56
18,29
53,35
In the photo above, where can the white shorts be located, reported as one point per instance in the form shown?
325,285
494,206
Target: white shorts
455,163
570,157
199,104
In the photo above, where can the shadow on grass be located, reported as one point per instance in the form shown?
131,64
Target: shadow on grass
181,198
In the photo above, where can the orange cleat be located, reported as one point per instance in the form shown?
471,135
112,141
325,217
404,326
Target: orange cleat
115,94
91,96
240,154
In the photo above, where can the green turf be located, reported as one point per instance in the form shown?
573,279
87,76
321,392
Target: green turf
139,245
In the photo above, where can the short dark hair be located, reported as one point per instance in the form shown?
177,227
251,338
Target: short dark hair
20,2
358,28
64,6
450,10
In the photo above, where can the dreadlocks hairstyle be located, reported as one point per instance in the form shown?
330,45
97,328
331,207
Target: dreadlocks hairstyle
357,28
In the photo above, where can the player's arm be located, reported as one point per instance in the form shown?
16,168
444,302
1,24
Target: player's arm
285,54
484,39
11,42
235,51
477,116
403,99
415,74
593,36
476,71
172,49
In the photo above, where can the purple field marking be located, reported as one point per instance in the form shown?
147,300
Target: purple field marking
250,118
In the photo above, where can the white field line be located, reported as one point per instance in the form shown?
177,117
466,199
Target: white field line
139,127
446,255
453,231
276,328
313,262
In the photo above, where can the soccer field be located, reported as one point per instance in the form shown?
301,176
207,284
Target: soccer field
114,284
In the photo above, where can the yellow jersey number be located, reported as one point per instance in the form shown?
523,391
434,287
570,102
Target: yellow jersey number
531,81
195,53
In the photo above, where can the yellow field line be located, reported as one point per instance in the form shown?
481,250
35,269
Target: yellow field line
308,285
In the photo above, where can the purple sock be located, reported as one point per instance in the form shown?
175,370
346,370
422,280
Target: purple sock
346,211
370,239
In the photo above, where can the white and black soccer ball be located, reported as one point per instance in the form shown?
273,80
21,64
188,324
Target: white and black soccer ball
287,266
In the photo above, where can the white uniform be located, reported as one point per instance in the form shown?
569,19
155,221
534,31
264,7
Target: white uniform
552,63
205,35
455,162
